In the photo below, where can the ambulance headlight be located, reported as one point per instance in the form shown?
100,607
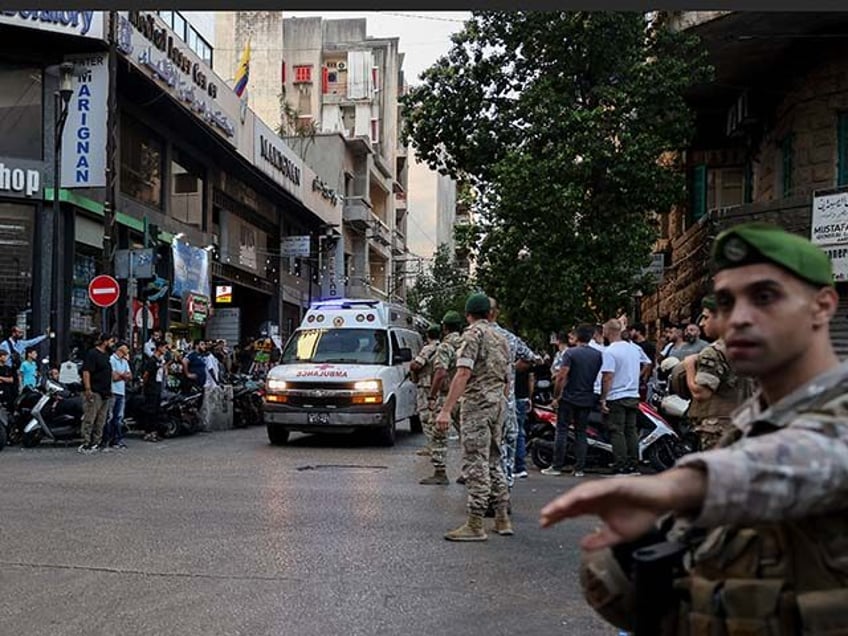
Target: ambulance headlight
277,385
372,386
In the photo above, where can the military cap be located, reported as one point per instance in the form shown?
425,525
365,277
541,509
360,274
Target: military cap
453,318
478,303
709,302
752,243
434,330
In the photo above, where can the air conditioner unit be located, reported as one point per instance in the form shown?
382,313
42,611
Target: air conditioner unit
341,66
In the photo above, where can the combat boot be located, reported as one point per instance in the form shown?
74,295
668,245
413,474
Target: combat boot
471,530
438,478
503,525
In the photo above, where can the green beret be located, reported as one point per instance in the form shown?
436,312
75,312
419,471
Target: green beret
434,330
478,303
753,243
453,318
709,302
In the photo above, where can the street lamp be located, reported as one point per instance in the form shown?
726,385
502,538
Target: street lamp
61,99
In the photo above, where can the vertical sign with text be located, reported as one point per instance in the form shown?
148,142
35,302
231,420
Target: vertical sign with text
84,137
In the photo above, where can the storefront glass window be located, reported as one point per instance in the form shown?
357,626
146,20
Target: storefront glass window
83,312
16,227
20,111
187,179
141,163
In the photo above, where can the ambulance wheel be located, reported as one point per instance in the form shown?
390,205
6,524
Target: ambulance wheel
388,434
278,436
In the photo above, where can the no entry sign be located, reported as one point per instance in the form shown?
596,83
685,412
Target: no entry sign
104,290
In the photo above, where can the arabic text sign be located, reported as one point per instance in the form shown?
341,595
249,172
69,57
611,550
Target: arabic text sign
839,257
830,219
296,246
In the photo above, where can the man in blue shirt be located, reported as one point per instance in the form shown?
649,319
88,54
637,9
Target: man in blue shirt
16,346
113,436
194,364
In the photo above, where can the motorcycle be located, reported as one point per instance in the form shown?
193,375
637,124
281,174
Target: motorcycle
4,427
668,402
179,411
247,400
543,392
659,445
51,413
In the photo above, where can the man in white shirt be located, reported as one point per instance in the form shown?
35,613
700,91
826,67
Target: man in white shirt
213,370
620,397
113,436
150,345
597,343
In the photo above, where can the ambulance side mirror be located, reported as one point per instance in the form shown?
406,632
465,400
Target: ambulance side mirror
404,354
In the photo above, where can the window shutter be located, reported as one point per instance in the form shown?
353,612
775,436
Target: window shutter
842,150
699,192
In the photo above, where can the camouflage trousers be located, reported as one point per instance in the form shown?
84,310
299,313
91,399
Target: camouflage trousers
425,415
510,439
710,430
481,456
439,441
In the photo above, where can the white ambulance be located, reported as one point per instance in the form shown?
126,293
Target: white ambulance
345,368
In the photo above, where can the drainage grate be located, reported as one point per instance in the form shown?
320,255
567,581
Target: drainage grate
348,467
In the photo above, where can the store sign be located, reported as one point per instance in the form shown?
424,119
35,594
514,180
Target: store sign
152,47
84,137
839,257
195,309
82,23
830,219
25,182
223,294
296,247
274,157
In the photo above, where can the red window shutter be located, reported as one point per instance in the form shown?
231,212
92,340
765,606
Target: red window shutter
325,79
375,77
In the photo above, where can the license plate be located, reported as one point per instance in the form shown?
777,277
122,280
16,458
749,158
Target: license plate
318,418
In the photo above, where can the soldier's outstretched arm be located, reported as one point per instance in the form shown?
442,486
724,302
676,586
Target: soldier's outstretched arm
629,506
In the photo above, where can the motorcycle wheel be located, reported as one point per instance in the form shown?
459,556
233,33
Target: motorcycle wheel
2,437
542,457
240,417
663,454
31,439
170,427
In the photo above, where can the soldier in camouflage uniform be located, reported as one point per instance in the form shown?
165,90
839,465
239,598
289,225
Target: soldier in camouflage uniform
716,389
481,379
444,368
422,375
773,497
522,357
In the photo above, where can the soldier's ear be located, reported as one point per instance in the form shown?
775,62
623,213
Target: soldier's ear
825,302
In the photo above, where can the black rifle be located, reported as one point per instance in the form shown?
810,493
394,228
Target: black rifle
654,570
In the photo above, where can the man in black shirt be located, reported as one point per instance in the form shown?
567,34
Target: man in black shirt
574,395
8,383
97,383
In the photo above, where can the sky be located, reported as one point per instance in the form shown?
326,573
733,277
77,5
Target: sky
424,37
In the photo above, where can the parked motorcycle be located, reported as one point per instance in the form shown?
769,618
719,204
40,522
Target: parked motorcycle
178,411
4,427
543,392
52,413
659,445
247,400
668,402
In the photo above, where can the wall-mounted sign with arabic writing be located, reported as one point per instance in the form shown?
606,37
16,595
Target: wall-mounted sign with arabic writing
149,45
830,219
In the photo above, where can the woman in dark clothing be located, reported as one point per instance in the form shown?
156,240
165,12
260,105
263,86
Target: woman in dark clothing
153,379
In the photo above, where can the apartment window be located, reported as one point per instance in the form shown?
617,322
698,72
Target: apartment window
187,187
179,25
20,111
141,163
167,17
303,74
375,78
842,150
784,172
375,130
725,187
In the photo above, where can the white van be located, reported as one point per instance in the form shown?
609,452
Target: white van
345,368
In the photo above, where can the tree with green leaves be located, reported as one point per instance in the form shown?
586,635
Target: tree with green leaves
568,126
443,287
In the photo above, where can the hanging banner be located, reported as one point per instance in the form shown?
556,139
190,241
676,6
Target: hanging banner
191,270
84,137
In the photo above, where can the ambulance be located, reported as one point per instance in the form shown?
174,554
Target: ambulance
346,368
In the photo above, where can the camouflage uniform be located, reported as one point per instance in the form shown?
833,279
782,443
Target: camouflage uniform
776,499
424,378
711,418
518,350
445,359
485,351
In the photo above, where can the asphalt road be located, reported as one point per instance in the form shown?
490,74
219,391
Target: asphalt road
222,533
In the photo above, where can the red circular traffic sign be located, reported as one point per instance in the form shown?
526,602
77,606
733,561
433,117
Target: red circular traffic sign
104,290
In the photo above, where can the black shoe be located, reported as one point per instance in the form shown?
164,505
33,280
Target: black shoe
460,480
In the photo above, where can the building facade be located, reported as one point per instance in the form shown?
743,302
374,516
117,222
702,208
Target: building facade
771,144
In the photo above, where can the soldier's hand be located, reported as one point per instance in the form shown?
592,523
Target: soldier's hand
443,420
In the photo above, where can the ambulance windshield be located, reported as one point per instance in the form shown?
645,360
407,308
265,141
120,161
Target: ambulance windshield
342,346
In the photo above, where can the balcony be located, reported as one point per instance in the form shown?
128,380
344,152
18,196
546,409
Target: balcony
357,212
398,243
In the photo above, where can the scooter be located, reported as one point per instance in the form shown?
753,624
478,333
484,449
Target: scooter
247,400
52,415
659,445
178,411
672,406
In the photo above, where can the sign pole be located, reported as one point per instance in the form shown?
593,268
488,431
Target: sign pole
130,298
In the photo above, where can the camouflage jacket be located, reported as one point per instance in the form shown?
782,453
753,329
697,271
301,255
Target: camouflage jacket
446,358
518,350
485,351
713,371
425,358
790,462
